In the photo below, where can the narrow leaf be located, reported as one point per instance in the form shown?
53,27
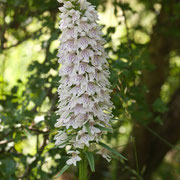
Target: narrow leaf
88,128
112,150
65,142
90,158
62,170
104,128
118,120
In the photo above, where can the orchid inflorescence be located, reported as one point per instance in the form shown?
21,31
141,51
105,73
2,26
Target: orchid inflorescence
84,108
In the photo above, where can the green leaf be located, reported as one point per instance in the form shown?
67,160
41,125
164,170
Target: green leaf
112,150
159,106
159,120
10,166
90,157
88,128
118,119
66,141
111,30
62,170
104,128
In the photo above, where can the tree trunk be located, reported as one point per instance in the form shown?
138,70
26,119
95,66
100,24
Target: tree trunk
151,149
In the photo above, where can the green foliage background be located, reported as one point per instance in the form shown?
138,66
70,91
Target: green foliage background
29,79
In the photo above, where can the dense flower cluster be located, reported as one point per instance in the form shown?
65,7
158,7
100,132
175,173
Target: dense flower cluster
84,100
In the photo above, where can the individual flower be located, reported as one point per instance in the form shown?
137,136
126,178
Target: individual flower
75,158
104,154
84,90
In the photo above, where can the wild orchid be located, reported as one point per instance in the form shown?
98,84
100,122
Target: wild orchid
84,92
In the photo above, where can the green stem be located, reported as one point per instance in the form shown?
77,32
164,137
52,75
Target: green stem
83,167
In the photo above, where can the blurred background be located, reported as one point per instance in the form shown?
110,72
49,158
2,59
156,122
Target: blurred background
143,43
